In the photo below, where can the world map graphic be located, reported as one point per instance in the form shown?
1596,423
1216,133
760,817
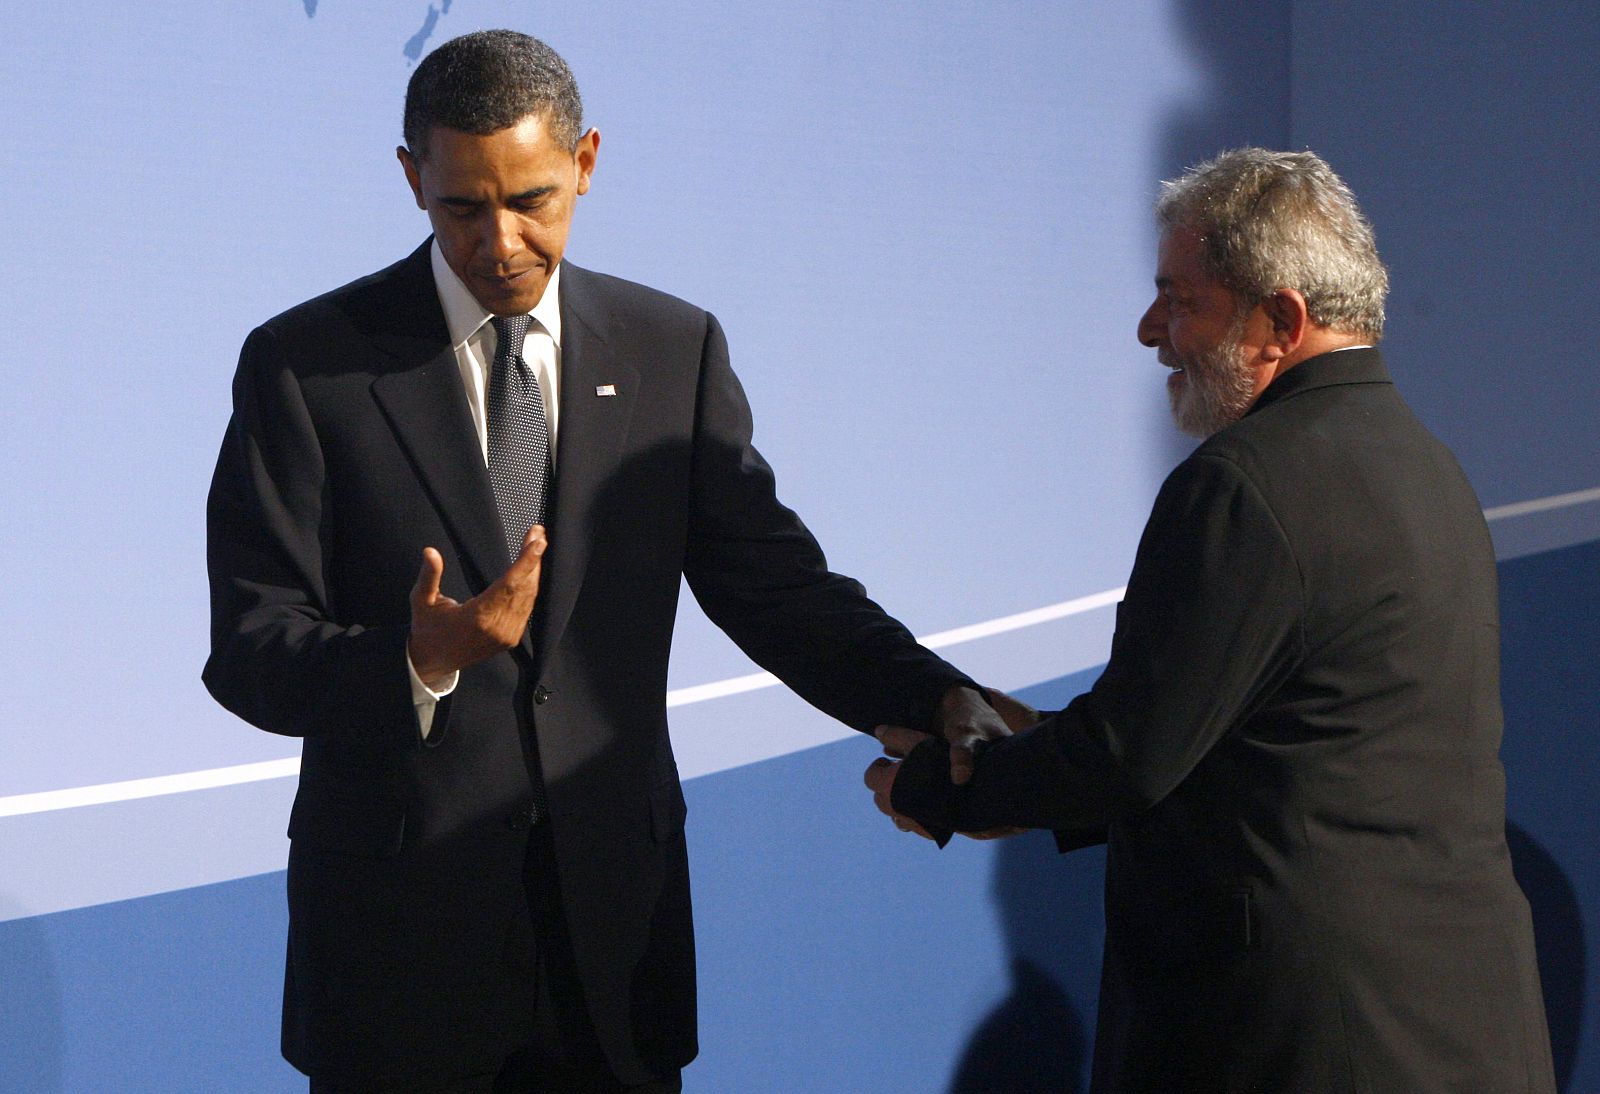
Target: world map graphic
414,45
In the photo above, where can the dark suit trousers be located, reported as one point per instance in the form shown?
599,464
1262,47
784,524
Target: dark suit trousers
542,988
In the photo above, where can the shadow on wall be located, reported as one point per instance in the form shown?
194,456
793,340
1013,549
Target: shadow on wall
1040,1036
30,1006
1550,657
1034,1041
1558,936
1241,104
1052,911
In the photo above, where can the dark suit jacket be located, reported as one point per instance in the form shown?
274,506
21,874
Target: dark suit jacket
350,449
1295,748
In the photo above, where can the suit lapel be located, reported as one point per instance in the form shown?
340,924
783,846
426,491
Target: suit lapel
594,425
422,398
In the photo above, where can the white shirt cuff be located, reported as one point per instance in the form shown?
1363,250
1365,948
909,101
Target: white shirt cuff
426,699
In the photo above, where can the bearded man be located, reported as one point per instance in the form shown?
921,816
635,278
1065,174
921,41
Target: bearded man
1293,750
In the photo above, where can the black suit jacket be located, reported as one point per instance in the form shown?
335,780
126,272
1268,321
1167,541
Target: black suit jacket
1294,747
350,449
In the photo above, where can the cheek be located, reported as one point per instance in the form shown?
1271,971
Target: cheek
545,237
1190,339
455,237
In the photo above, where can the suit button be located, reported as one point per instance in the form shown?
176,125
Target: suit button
541,693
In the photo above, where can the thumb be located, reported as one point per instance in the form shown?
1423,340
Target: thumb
530,558
898,741
426,590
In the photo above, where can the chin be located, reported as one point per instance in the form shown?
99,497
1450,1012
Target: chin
510,300
1202,411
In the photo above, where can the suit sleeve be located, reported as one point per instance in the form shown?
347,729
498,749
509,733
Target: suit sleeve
1210,626
278,658
761,576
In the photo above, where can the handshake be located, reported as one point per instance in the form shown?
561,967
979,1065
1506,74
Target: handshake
964,720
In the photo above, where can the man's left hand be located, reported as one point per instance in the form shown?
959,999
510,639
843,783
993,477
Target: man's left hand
963,720
898,742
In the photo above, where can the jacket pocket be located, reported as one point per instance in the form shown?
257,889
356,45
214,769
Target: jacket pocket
333,816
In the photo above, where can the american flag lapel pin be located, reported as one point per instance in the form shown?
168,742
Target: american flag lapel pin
606,389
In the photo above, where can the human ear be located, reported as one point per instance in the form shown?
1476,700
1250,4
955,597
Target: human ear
1286,310
585,154
408,163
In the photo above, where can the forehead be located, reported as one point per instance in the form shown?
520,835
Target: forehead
525,147
1180,259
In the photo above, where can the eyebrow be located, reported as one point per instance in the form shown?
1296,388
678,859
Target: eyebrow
526,195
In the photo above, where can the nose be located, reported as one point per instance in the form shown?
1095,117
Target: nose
502,240
1152,325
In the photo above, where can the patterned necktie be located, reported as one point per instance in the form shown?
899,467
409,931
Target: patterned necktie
519,465
519,434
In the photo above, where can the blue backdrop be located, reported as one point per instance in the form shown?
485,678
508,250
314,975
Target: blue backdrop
926,230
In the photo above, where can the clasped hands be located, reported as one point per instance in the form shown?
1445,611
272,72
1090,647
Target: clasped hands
448,635
964,720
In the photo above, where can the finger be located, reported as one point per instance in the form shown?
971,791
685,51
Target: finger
898,741
426,591
906,824
960,764
994,833
879,776
1017,714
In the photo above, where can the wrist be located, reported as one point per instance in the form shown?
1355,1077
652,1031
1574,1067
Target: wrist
430,672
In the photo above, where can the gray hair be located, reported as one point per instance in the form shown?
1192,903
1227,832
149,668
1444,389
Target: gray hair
484,82
1283,220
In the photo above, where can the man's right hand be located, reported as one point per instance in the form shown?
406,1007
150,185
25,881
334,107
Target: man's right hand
1017,715
447,635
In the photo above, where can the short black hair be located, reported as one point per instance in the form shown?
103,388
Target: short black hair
484,82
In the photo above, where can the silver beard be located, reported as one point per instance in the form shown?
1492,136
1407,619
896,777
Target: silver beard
1216,390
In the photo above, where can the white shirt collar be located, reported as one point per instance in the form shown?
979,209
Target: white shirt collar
465,316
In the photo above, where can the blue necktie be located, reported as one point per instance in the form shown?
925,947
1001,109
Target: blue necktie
519,435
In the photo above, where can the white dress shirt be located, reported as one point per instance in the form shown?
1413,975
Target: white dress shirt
473,339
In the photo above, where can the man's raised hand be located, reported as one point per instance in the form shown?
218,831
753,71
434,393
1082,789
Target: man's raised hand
447,635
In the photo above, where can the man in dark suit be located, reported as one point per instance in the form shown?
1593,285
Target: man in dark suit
488,886
1293,748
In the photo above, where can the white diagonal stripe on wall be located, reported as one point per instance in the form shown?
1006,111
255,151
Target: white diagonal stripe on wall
157,786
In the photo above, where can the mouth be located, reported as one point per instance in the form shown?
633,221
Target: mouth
510,280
